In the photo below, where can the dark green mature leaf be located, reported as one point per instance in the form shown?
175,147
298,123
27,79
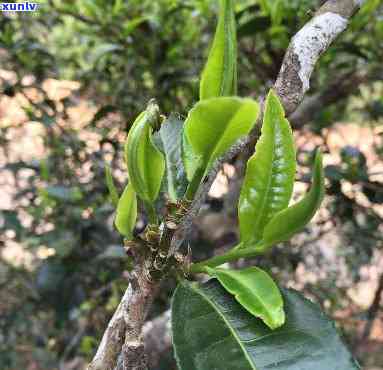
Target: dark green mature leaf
269,179
171,133
211,331
219,77
293,219
146,164
126,212
213,126
254,290
113,193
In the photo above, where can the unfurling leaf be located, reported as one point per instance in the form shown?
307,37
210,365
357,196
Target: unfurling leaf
171,136
219,77
146,164
126,212
293,219
254,290
269,179
211,330
113,193
212,127
190,159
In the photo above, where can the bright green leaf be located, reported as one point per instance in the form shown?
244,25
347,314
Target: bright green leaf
219,77
256,291
293,219
171,133
269,179
211,330
146,164
213,126
190,160
126,214
113,193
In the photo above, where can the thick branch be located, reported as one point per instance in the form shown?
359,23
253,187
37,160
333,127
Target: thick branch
157,340
307,46
113,338
125,328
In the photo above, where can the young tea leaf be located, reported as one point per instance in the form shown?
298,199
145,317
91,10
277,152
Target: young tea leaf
211,330
190,160
219,77
293,219
146,164
171,136
254,290
213,126
126,212
269,179
113,193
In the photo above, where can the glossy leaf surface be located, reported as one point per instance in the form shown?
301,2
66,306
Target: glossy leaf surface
211,331
219,77
213,126
269,179
113,193
171,133
254,290
146,164
293,219
126,212
190,160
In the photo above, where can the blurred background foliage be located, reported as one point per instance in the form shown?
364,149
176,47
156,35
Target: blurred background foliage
72,78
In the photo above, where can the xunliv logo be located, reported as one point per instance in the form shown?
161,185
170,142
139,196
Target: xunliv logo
19,7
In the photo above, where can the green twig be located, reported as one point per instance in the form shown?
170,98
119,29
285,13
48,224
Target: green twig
194,184
230,256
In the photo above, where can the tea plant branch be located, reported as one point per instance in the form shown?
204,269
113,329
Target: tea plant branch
292,83
307,46
157,339
113,337
125,329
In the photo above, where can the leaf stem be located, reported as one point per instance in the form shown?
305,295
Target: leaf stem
194,184
232,255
